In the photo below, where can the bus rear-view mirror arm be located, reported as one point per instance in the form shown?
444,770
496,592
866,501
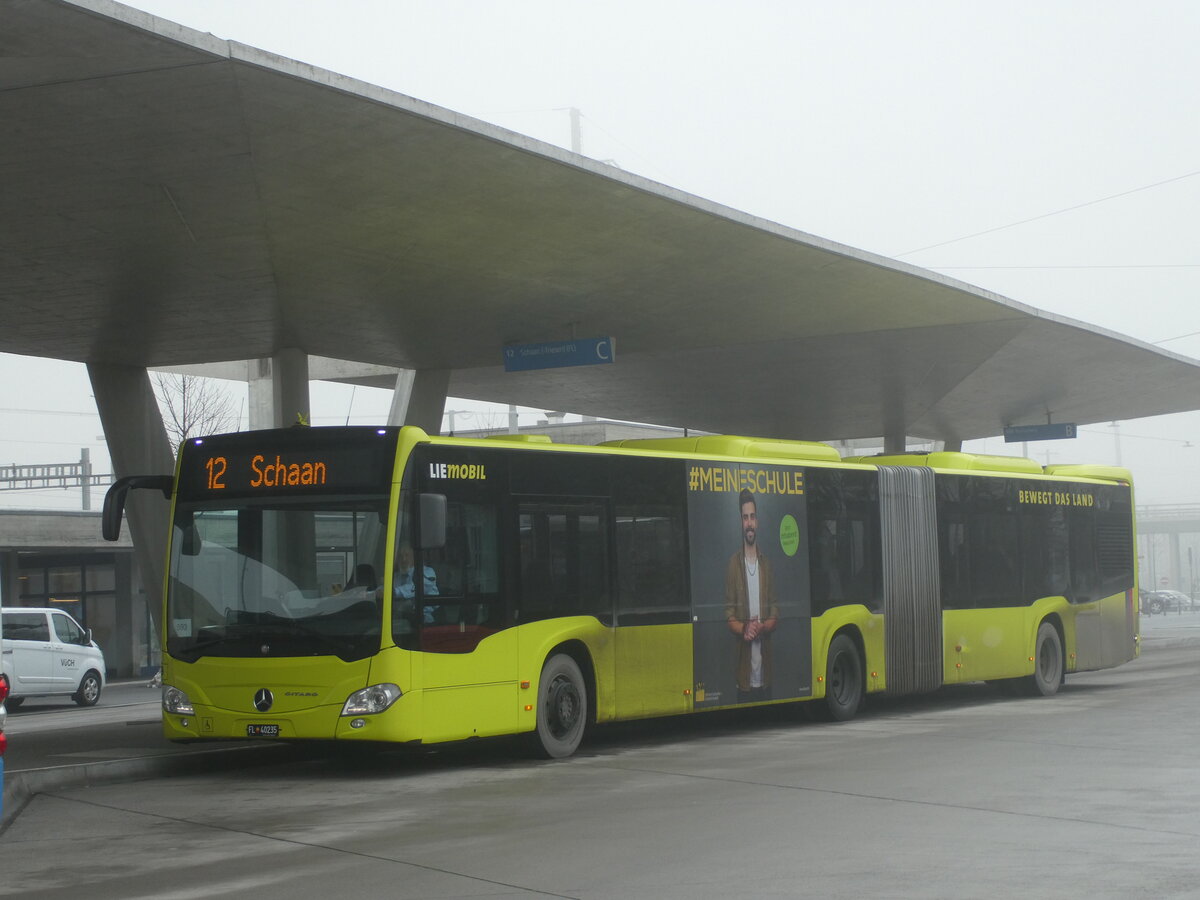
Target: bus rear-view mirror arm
114,500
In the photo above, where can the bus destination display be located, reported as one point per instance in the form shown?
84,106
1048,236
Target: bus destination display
300,461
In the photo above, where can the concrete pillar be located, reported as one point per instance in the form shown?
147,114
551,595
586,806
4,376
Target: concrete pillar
289,386
895,442
138,445
952,446
123,625
260,394
401,395
420,398
1176,564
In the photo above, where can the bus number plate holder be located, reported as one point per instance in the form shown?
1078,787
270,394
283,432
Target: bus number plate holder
262,731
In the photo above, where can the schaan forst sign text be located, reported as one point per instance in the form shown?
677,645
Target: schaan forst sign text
559,354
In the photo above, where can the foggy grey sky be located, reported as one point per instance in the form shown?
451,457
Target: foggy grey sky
887,126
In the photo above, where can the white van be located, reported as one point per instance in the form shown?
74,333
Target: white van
46,654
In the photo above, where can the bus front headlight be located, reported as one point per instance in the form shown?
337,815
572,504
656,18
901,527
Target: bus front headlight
176,701
370,700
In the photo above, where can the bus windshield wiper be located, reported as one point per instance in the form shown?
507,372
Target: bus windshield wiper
274,627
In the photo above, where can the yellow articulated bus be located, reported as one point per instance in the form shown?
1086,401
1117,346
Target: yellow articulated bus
380,584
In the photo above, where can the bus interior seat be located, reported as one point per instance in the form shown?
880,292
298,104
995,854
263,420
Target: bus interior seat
364,577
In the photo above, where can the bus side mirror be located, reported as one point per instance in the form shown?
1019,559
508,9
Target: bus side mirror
191,543
432,528
114,500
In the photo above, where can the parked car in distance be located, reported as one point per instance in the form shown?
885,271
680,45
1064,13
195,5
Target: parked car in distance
47,654
1154,602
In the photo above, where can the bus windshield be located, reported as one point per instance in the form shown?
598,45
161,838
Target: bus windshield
277,578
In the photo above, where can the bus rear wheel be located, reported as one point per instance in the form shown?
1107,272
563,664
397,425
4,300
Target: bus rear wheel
562,709
1047,662
843,679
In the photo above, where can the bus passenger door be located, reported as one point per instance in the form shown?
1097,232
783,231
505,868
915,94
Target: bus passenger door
653,640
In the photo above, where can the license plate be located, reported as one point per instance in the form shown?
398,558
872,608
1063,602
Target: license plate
262,731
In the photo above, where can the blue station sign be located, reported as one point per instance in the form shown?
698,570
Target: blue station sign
559,354
1056,432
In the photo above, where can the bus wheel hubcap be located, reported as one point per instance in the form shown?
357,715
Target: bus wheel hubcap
562,706
839,679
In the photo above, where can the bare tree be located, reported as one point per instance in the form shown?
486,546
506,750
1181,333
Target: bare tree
491,421
191,405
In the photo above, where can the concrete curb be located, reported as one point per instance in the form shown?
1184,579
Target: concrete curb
21,787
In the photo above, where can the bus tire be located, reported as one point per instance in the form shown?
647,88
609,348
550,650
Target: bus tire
562,710
1047,662
89,690
843,679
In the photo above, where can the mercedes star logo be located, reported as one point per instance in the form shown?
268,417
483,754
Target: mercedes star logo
263,700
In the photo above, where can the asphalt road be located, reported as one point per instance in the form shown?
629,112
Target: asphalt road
55,732
963,794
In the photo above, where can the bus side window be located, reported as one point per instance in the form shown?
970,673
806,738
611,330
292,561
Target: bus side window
1114,539
650,537
843,539
979,542
564,560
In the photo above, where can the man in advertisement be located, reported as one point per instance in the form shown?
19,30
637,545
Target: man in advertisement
751,609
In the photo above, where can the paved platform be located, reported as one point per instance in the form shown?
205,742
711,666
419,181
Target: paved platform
959,794
54,744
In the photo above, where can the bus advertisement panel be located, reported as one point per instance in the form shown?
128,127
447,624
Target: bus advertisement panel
749,574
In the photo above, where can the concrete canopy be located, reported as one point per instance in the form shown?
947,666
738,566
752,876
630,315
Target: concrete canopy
172,198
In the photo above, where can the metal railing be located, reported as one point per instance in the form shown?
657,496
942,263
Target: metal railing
1168,511
55,475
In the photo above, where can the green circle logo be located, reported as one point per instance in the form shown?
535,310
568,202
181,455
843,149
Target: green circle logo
789,535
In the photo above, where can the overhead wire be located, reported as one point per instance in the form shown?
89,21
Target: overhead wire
1057,212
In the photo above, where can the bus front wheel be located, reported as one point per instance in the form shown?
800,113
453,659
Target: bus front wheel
843,679
1047,662
562,709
